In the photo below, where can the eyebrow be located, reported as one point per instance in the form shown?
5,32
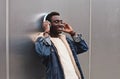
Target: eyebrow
58,20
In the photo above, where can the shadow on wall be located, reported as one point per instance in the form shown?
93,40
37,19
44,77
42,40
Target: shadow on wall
33,66
25,62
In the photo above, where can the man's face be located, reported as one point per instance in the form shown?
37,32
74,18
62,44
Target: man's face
56,24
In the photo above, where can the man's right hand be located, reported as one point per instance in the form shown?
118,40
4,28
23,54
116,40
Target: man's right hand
46,27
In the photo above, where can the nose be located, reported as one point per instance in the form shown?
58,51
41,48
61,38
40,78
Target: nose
61,25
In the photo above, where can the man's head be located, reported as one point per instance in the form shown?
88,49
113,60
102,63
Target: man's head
56,23
49,16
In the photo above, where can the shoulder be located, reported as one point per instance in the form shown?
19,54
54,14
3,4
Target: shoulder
35,36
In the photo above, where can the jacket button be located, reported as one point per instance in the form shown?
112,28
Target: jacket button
52,50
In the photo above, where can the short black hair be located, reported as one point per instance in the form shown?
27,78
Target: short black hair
50,15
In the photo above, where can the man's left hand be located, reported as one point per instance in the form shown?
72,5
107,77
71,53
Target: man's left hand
68,29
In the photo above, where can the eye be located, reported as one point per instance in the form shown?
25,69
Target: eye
58,21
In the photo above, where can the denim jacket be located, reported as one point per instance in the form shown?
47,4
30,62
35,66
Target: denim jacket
45,48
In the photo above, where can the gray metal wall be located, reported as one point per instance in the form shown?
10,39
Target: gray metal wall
105,39
105,35
2,41
24,63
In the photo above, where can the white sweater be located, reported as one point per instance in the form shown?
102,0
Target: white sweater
65,59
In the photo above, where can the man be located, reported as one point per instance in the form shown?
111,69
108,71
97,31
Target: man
58,51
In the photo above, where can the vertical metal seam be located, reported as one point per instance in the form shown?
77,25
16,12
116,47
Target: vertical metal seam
90,34
7,39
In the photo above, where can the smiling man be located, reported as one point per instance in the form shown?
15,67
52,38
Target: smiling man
58,51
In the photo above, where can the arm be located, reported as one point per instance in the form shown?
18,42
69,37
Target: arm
42,46
78,44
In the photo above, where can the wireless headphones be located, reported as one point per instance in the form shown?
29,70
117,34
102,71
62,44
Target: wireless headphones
44,19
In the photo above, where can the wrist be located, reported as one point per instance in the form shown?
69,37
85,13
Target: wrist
46,33
77,37
72,33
